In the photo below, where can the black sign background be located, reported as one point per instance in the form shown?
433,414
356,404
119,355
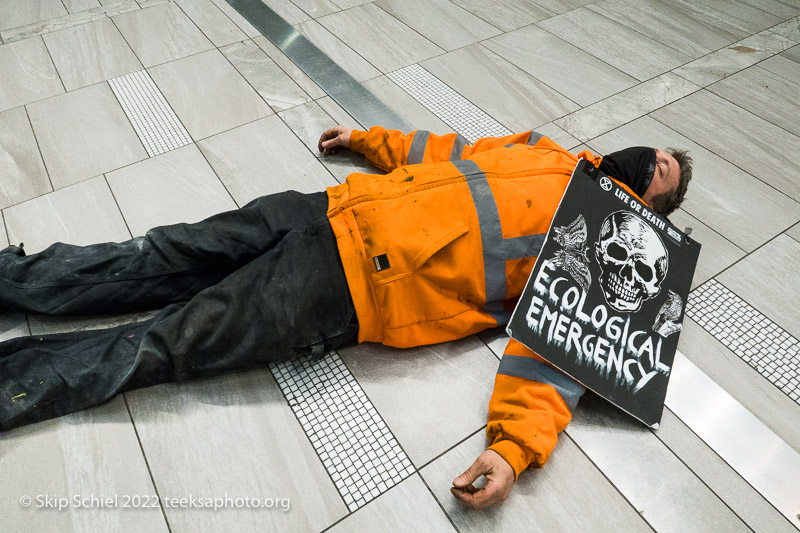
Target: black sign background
600,336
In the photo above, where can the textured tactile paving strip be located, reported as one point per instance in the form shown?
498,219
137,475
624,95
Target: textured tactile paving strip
151,116
358,450
444,102
756,339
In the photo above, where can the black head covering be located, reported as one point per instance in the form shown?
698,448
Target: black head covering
633,166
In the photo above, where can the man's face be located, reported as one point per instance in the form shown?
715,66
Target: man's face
665,177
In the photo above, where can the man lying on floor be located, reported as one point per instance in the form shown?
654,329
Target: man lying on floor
436,250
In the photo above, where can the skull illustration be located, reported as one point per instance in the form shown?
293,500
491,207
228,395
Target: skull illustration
633,261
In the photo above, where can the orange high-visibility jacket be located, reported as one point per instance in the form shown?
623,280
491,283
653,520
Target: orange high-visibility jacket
440,248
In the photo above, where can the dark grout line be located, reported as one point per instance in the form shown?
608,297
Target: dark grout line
732,469
703,481
439,503
41,155
565,434
146,462
702,145
116,202
54,64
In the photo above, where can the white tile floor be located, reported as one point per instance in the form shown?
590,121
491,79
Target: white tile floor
719,77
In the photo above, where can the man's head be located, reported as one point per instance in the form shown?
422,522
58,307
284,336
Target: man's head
670,181
659,178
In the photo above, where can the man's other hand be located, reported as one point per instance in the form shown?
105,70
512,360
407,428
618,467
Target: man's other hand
333,138
500,478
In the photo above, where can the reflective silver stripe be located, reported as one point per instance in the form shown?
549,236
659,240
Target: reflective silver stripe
529,368
496,249
534,138
458,148
525,246
417,150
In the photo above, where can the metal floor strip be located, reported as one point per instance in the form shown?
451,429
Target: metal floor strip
364,106
760,456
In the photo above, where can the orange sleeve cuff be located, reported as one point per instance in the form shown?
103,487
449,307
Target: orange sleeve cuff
513,453
358,139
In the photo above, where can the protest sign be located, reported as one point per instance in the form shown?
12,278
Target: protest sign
606,297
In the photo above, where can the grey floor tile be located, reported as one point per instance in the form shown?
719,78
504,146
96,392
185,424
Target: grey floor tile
177,186
753,144
794,232
778,8
208,94
740,380
347,4
562,496
287,11
15,13
783,67
68,21
317,8
626,106
266,77
743,499
237,19
264,157
161,33
558,135
21,167
730,201
330,43
28,73
716,252
555,62
646,472
219,29
81,214
409,109
768,95
789,29
734,14
726,61
506,14
90,53
507,93
561,6
666,23
292,70
245,436
337,113
74,6
92,452
792,53
768,280
308,121
441,21
379,37
404,385
83,133
630,51
408,506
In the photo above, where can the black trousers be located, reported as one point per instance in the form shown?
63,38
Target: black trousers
242,289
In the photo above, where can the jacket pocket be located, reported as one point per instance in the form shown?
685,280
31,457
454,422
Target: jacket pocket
401,234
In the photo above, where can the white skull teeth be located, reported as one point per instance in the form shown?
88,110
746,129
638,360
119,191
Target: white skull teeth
622,290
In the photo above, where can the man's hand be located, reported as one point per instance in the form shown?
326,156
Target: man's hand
497,471
333,138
